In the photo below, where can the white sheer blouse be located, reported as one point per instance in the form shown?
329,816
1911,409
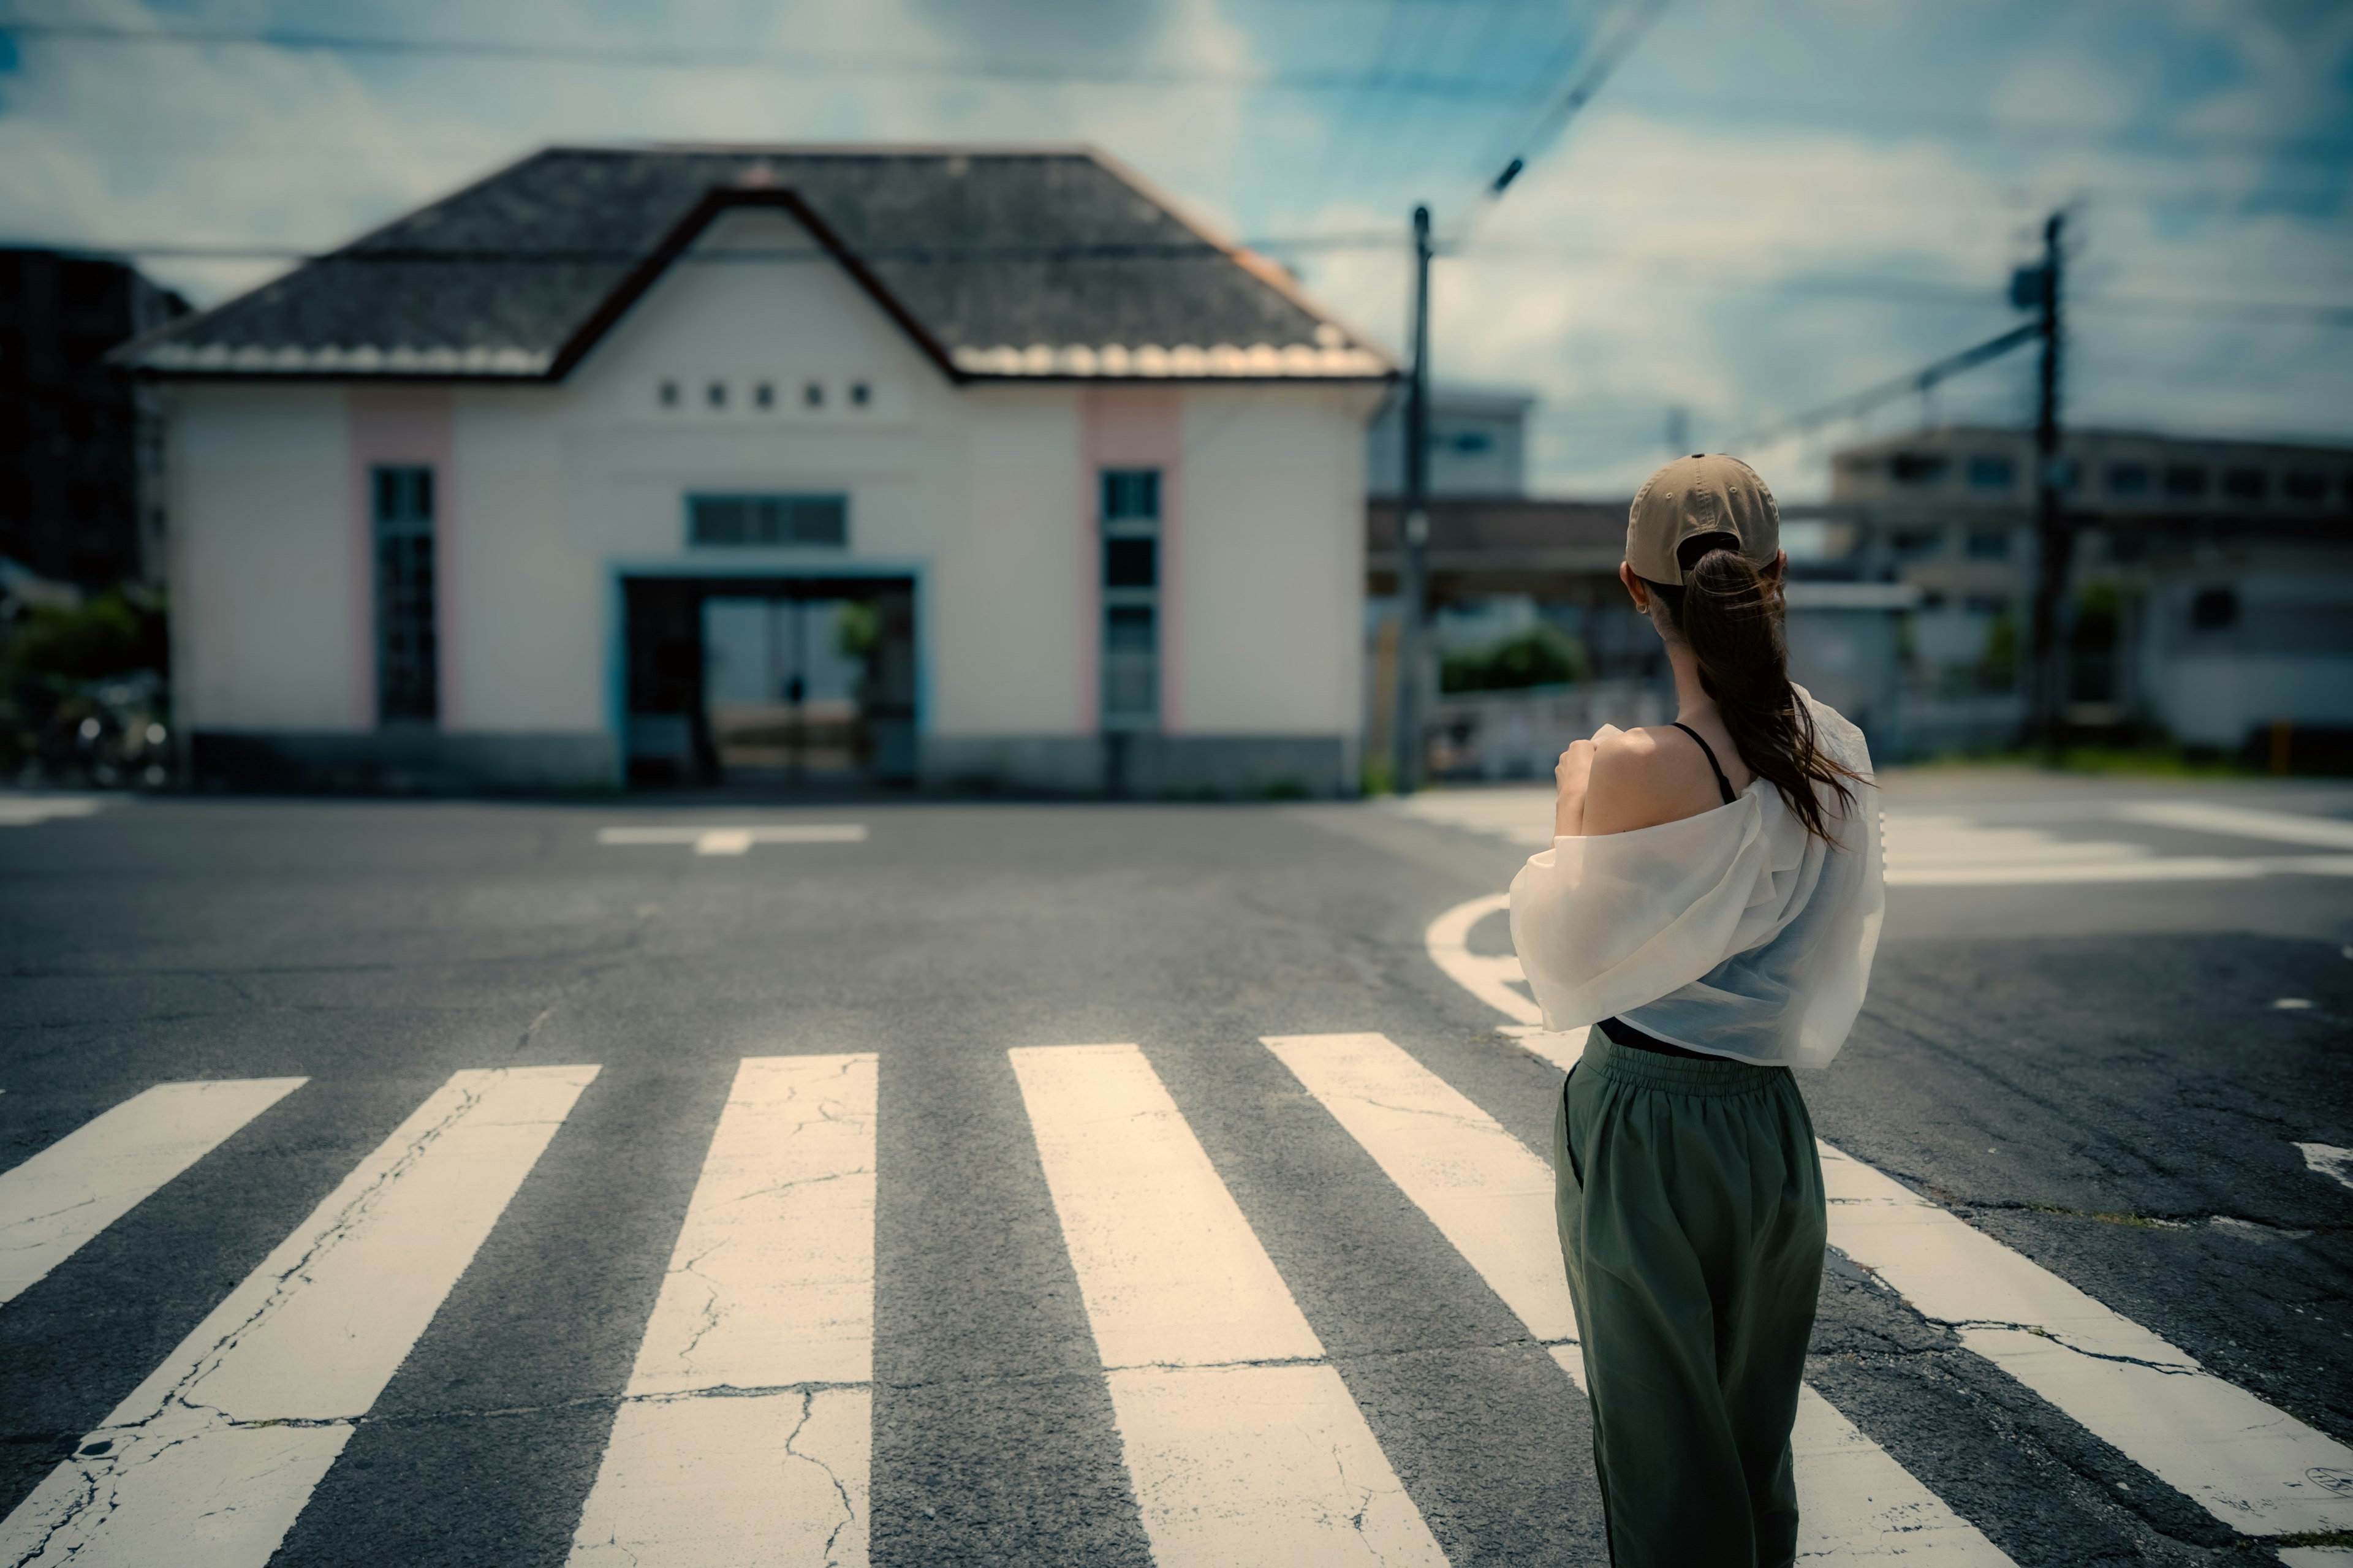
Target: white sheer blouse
1735,932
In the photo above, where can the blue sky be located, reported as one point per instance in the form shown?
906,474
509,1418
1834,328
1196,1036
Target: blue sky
1771,203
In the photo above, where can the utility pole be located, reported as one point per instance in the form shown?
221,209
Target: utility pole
1413,531
2047,696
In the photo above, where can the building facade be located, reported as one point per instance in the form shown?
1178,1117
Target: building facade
970,468
2212,582
1477,441
80,483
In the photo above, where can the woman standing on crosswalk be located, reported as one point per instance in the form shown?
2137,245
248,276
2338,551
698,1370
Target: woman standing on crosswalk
1710,903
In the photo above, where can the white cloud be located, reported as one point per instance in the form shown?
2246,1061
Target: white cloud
1684,244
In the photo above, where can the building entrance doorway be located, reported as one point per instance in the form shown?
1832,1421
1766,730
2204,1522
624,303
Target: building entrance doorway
776,683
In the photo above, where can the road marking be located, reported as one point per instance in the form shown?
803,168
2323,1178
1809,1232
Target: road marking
210,1460
1233,1461
2254,1467
1857,1504
1926,849
1522,816
2164,869
2257,1469
1482,1188
1489,979
735,840
2328,1161
745,1433
2239,822
1492,1197
67,1193
26,810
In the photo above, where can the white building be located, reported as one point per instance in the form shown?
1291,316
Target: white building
515,490
2211,580
1477,441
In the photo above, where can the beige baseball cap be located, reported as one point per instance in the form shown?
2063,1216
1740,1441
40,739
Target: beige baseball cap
1706,492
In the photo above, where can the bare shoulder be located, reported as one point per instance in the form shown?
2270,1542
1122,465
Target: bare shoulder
1644,777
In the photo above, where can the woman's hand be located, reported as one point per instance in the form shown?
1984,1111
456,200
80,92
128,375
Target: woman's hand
1571,775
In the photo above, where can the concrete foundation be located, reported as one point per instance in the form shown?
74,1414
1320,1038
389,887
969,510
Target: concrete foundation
1146,766
406,761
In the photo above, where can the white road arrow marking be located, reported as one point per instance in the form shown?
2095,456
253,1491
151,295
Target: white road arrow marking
735,840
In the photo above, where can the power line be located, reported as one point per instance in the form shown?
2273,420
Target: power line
2039,131
555,256
1653,270
789,61
1906,385
1579,91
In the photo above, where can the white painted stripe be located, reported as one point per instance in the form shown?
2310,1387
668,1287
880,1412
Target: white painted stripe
210,1460
55,1202
2239,822
2256,1468
2316,1557
1482,1188
1491,1196
1856,1504
744,1435
1233,1463
735,839
1488,979
2244,1461
1171,1272
2163,868
26,810
2326,1159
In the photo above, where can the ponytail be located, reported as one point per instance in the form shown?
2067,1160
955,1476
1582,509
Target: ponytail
1729,613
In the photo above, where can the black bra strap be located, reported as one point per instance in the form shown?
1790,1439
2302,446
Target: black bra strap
1714,766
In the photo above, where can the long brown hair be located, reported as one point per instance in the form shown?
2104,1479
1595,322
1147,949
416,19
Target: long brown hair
1729,612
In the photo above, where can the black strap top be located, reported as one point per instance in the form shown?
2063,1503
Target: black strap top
1714,766
1617,1029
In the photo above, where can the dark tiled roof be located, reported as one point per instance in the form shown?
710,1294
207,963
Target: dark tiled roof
999,263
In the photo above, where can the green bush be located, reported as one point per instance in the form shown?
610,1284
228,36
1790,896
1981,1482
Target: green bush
1539,658
106,634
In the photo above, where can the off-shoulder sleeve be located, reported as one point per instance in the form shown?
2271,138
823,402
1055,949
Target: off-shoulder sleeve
1609,923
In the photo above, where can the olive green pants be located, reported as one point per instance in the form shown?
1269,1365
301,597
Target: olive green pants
1690,1202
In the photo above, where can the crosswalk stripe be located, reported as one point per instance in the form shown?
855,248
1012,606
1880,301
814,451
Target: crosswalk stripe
745,1433
55,1202
2239,822
1234,1460
1492,1197
2256,1468
210,1460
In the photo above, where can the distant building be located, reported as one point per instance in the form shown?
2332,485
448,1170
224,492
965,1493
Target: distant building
1477,440
953,466
2212,581
81,452
2103,473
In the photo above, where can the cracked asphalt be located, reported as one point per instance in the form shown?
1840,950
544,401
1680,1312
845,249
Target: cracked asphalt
2096,1077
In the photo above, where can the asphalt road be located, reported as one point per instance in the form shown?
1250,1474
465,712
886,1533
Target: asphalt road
2099,1074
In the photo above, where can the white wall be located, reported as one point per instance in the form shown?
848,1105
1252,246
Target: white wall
1012,592
980,493
1267,570
263,574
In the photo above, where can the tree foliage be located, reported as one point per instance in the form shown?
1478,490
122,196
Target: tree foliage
1540,656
